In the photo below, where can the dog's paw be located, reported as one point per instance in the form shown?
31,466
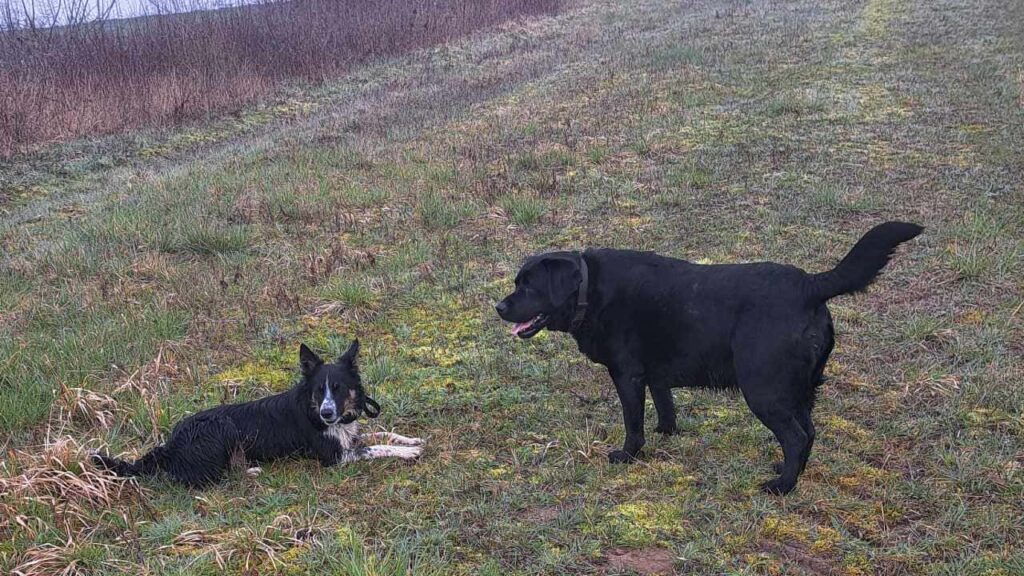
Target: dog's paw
778,486
666,429
253,472
412,442
620,457
408,452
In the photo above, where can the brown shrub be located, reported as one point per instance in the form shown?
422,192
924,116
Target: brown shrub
101,76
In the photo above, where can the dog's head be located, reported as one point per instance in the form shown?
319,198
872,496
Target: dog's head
336,390
546,293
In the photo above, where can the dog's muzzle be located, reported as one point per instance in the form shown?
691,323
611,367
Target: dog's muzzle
329,411
328,408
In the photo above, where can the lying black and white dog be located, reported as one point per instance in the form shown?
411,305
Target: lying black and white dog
659,323
315,419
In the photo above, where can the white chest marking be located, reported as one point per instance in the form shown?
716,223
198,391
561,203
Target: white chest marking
347,435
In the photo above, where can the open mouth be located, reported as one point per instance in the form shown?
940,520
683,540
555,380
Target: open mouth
530,328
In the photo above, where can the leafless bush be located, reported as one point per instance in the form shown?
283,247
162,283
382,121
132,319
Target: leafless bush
77,71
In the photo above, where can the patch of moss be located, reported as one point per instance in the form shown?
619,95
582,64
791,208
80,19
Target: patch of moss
276,373
641,523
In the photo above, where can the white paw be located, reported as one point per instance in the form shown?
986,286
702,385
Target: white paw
413,441
408,452
254,471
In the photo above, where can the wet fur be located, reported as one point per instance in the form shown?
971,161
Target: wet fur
658,323
201,448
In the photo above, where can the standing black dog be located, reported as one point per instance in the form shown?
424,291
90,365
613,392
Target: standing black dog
661,323
316,419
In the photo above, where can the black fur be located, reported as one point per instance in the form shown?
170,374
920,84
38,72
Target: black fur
201,447
657,323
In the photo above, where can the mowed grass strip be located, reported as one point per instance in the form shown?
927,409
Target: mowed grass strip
716,133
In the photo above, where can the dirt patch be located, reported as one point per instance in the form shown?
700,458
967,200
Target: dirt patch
794,556
540,514
642,561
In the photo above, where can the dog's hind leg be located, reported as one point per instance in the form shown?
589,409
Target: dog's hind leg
785,424
776,389
805,421
666,410
391,438
200,452
820,339
794,443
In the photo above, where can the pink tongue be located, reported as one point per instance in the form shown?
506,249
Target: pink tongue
520,327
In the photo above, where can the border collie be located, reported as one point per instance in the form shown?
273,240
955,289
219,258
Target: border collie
314,419
659,323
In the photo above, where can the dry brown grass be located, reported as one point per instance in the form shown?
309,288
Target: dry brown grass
54,474
78,498
96,77
85,407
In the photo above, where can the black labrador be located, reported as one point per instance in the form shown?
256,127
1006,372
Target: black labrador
660,323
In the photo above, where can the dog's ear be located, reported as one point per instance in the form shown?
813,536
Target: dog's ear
308,360
564,277
348,359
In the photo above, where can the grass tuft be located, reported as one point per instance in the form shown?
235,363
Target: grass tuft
524,209
438,212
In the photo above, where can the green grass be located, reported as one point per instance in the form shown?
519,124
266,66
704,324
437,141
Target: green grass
524,209
355,293
690,175
794,105
168,282
438,213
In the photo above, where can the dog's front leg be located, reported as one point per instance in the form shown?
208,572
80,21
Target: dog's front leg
632,396
391,438
666,409
331,453
387,451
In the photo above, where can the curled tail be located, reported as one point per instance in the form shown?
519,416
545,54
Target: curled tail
145,466
863,263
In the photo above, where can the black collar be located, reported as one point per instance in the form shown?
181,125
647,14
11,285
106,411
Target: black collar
581,296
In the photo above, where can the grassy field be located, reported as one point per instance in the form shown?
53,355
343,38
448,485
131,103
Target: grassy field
145,277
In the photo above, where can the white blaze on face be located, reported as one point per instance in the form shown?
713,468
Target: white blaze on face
328,401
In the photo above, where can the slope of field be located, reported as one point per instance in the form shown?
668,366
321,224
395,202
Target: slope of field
98,76
145,277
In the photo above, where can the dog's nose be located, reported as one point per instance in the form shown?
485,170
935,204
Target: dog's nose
327,414
501,307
